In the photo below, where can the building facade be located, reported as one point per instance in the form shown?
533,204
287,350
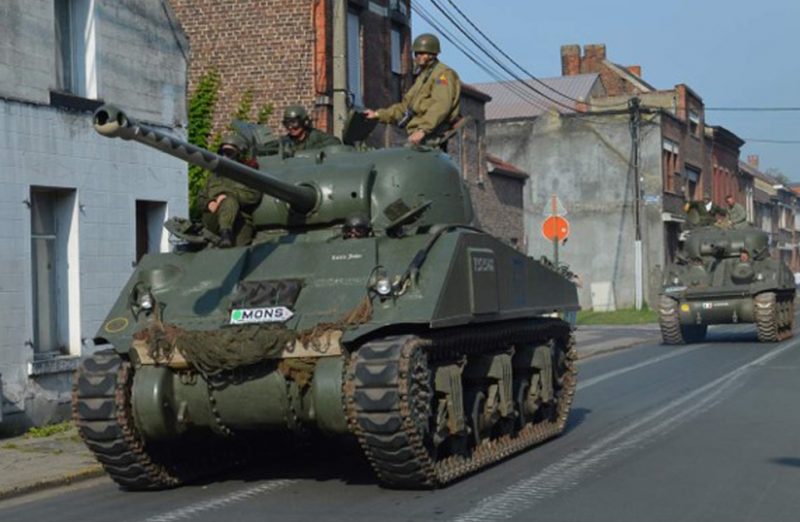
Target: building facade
285,52
622,172
79,209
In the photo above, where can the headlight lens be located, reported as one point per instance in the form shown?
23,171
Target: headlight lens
759,277
383,286
146,301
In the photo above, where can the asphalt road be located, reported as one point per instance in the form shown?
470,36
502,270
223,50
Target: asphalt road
707,432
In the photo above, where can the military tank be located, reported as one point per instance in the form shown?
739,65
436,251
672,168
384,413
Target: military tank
431,342
722,276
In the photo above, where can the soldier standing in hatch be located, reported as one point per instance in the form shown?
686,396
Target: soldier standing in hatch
737,215
227,204
433,104
300,134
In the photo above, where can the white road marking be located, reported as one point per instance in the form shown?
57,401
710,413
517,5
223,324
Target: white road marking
568,472
219,502
610,375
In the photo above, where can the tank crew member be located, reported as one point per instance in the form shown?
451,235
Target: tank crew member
737,215
300,134
356,227
702,213
433,103
227,204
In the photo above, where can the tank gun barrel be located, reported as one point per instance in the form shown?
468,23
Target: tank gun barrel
114,123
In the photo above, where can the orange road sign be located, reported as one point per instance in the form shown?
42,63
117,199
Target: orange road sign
555,227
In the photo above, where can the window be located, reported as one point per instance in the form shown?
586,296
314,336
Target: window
669,166
150,217
694,123
75,47
397,62
54,272
692,176
354,57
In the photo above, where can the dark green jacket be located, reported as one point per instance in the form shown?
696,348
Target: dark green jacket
315,139
737,215
216,185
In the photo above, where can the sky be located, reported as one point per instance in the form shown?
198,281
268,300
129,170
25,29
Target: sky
733,53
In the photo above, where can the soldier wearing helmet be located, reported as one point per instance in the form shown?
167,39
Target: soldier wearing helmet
300,134
227,204
433,104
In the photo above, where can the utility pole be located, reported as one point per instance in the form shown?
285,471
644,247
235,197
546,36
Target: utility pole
339,66
635,127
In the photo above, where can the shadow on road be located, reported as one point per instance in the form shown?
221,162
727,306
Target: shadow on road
576,418
787,461
723,336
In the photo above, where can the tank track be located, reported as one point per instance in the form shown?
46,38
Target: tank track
669,322
388,391
774,316
101,409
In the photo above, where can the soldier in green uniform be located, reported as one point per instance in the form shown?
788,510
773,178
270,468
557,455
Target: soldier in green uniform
227,204
300,134
737,215
433,104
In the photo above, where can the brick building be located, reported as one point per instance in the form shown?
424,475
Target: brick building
283,52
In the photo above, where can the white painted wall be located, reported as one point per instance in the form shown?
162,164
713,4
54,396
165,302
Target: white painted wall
138,61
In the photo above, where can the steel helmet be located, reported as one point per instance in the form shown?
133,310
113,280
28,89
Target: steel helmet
296,113
426,43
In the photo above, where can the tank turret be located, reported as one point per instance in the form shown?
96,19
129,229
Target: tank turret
391,187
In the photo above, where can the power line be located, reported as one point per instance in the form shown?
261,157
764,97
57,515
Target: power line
514,62
493,58
754,109
776,142
492,72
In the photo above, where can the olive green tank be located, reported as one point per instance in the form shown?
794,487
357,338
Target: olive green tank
724,276
369,306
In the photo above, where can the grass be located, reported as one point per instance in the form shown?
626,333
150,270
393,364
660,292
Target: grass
41,432
624,316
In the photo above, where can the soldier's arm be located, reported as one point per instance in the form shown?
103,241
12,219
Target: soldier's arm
443,94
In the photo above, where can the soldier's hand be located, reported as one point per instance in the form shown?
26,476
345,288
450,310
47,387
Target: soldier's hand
416,137
370,114
213,205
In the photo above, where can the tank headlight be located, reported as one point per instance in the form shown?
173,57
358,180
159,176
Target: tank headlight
759,277
676,281
383,286
146,301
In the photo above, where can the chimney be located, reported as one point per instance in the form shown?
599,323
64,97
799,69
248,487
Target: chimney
635,70
570,60
593,56
752,160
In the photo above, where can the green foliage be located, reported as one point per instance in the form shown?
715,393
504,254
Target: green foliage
49,430
264,112
201,118
202,105
245,106
623,316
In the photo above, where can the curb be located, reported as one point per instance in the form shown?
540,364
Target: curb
617,347
80,475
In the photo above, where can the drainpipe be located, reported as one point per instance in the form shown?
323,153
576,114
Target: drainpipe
339,66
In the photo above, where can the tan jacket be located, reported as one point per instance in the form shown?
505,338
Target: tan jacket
435,99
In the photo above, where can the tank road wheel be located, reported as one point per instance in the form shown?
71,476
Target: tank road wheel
671,331
766,317
786,314
399,395
101,408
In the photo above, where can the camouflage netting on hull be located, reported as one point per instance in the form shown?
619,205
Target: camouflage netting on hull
215,351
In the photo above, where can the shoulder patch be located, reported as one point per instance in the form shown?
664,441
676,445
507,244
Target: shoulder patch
442,79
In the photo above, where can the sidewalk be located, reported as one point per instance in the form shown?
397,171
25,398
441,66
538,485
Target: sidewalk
32,464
